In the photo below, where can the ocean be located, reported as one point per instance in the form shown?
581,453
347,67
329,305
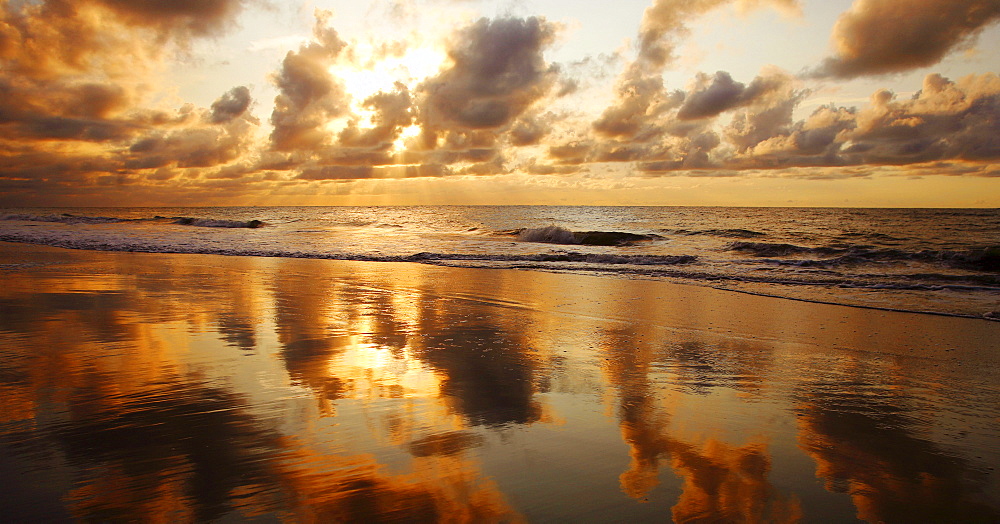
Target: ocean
941,261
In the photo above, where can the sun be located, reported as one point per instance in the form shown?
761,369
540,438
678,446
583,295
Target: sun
405,134
370,73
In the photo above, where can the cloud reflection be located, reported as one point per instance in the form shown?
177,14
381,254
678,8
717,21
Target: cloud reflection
721,481
236,387
866,442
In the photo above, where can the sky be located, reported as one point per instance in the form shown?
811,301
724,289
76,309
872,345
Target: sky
869,103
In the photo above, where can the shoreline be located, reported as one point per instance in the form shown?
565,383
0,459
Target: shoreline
419,259
728,310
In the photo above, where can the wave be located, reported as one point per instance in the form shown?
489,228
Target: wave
211,222
984,259
725,233
558,235
64,218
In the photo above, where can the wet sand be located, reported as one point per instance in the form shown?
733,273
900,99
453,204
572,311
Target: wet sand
200,387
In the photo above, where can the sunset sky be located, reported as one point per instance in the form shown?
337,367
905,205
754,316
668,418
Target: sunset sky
659,102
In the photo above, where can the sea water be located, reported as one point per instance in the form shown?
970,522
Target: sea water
944,261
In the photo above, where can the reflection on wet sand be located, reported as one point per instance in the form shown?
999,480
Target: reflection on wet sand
721,482
153,388
865,441
179,450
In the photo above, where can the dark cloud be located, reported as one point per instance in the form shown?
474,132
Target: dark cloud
531,129
309,96
888,36
535,168
721,93
575,152
194,17
497,73
191,147
63,110
231,105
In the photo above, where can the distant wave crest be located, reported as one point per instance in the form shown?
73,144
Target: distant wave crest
64,218
67,218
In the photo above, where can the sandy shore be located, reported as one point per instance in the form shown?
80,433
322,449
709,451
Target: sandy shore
300,389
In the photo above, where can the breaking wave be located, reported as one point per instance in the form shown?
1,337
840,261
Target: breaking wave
210,222
558,235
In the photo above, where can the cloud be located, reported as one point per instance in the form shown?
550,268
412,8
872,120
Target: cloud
231,105
392,111
531,129
640,102
651,117
82,102
309,96
946,120
713,95
664,24
50,38
72,81
497,73
192,147
751,127
185,17
663,131
336,172
888,36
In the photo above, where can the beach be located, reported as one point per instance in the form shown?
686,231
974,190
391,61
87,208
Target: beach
201,387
